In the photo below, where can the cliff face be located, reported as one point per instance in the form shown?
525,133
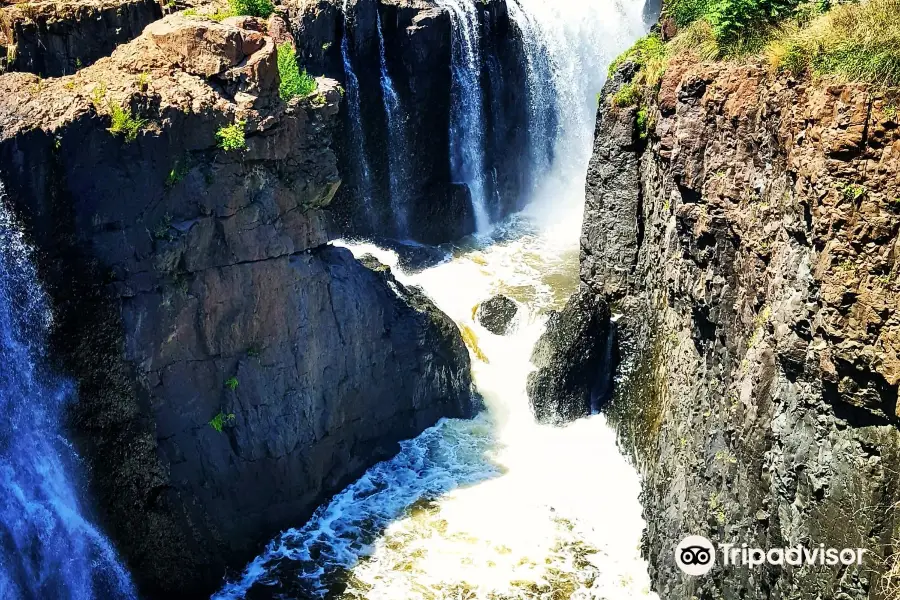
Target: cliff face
750,245
53,39
234,369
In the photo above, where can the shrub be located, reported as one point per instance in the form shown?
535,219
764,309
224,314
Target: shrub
125,123
231,137
738,26
642,122
294,82
231,383
858,42
252,8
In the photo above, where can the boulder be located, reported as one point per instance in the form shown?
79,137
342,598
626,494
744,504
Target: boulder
496,314
573,360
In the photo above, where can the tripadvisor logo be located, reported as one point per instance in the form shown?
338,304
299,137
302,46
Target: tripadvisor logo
696,555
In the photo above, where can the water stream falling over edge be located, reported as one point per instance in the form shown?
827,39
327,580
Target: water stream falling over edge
496,507
48,547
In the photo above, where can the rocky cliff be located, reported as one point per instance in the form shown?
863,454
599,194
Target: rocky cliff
58,38
233,368
745,227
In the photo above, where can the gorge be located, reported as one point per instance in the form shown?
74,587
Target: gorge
251,254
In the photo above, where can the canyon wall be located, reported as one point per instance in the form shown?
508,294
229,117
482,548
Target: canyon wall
233,368
744,226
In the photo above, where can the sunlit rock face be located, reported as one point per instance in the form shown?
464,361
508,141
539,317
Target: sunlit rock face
749,245
234,368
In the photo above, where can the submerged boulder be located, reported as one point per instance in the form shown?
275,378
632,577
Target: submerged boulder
572,359
496,314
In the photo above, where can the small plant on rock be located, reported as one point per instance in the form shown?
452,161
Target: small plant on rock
231,383
219,421
294,82
231,137
124,123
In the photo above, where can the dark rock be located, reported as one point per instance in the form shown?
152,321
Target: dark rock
495,314
195,286
572,359
757,386
58,38
412,257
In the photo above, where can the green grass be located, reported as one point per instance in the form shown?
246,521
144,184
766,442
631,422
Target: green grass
124,123
649,55
231,137
855,42
629,94
732,22
294,82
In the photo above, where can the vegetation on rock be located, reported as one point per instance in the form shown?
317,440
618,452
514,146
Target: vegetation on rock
858,42
231,137
252,8
124,123
294,82
219,421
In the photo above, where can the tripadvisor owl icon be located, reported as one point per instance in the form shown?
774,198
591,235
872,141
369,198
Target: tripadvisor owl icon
695,555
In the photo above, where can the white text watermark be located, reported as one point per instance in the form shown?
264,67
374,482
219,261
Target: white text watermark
696,555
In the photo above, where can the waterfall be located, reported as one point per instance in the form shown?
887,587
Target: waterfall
397,147
357,135
467,136
48,547
496,506
541,92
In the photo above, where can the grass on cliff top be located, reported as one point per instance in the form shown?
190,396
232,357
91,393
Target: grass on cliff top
734,24
237,8
294,82
857,42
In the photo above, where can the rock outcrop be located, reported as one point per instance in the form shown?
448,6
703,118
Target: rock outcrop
573,360
233,368
751,246
496,314
51,39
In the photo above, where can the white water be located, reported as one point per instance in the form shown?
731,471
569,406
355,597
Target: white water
357,135
397,147
467,101
496,507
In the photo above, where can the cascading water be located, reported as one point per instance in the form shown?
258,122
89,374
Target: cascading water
498,507
467,138
357,134
397,147
48,548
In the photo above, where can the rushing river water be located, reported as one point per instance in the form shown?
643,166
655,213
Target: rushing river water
497,507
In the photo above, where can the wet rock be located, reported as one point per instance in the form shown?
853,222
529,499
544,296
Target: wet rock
572,359
496,314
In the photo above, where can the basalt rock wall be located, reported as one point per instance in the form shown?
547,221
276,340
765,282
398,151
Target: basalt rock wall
745,229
